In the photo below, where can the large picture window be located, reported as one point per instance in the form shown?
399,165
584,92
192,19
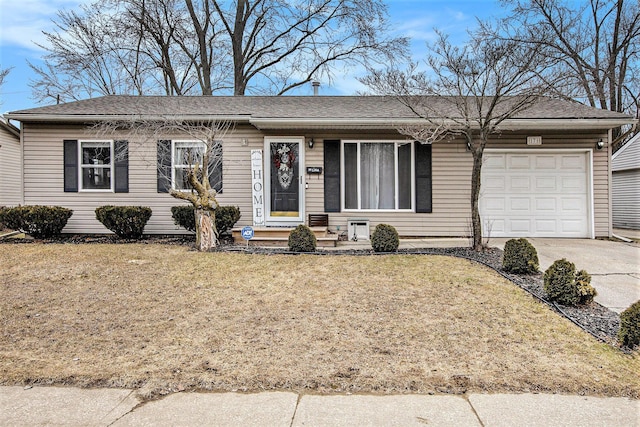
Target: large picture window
96,166
378,175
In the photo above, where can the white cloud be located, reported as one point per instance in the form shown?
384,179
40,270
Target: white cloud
22,22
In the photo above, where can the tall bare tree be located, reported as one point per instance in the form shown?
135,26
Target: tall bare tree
189,47
467,92
197,160
4,72
596,43
281,44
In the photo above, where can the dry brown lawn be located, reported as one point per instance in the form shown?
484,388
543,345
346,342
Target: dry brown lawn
164,318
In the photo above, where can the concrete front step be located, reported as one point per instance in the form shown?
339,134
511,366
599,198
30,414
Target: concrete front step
279,236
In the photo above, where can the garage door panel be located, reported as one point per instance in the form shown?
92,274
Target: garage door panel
545,183
546,162
519,204
495,162
573,183
519,162
519,183
546,205
573,162
535,194
546,226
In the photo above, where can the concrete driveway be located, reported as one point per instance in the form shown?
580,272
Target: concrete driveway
614,266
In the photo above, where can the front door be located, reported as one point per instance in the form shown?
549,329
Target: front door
284,163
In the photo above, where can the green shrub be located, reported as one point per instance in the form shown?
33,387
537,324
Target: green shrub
302,239
125,221
586,292
563,285
520,257
385,238
2,224
184,217
629,334
559,282
37,221
226,217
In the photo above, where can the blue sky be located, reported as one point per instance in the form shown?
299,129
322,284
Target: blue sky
22,23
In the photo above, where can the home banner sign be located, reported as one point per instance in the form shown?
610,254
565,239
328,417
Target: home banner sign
257,188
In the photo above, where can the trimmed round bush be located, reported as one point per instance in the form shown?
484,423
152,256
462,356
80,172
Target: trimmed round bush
302,239
184,217
226,217
385,238
629,334
520,257
125,221
559,282
586,292
563,285
38,221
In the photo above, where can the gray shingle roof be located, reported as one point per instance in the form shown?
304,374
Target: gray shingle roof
288,107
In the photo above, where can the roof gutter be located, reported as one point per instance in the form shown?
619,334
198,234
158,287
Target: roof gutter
83,118
512,124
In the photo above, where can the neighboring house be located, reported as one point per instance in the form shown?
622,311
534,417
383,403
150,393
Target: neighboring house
625,166
10,165
543,174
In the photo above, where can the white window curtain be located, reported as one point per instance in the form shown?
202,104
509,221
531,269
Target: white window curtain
377,174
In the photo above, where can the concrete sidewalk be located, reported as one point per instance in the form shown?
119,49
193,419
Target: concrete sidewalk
116,407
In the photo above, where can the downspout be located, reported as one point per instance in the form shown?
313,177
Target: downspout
610,180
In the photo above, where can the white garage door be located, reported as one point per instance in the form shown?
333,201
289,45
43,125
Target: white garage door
541,194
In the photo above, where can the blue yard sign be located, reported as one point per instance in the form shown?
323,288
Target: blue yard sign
247,233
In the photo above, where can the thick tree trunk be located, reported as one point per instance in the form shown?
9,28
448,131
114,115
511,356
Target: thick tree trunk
476,224
205,230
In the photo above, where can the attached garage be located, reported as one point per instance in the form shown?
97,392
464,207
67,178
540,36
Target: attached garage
536,193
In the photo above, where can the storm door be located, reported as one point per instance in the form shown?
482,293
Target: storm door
284,163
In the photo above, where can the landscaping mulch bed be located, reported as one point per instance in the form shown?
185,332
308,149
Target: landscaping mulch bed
595,319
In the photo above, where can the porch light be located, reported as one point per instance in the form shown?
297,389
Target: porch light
310,142
600,144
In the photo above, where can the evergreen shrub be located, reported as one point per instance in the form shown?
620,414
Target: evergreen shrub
629,334
302,239
125,221
563,285
385,238
37,220
226,217
520,257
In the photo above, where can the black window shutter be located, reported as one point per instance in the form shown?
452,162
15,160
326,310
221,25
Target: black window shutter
215,168
164,166
423,177
70,165
332,176
121,161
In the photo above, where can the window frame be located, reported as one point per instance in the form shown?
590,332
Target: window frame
82,166
193,143
397,143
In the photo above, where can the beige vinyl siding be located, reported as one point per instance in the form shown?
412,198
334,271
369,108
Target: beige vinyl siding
451,172
10,169
43,159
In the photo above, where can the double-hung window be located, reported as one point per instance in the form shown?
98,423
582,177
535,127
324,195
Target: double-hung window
186,155
96,165
176,158
378,175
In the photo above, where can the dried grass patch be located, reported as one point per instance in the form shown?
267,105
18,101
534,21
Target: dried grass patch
166,318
